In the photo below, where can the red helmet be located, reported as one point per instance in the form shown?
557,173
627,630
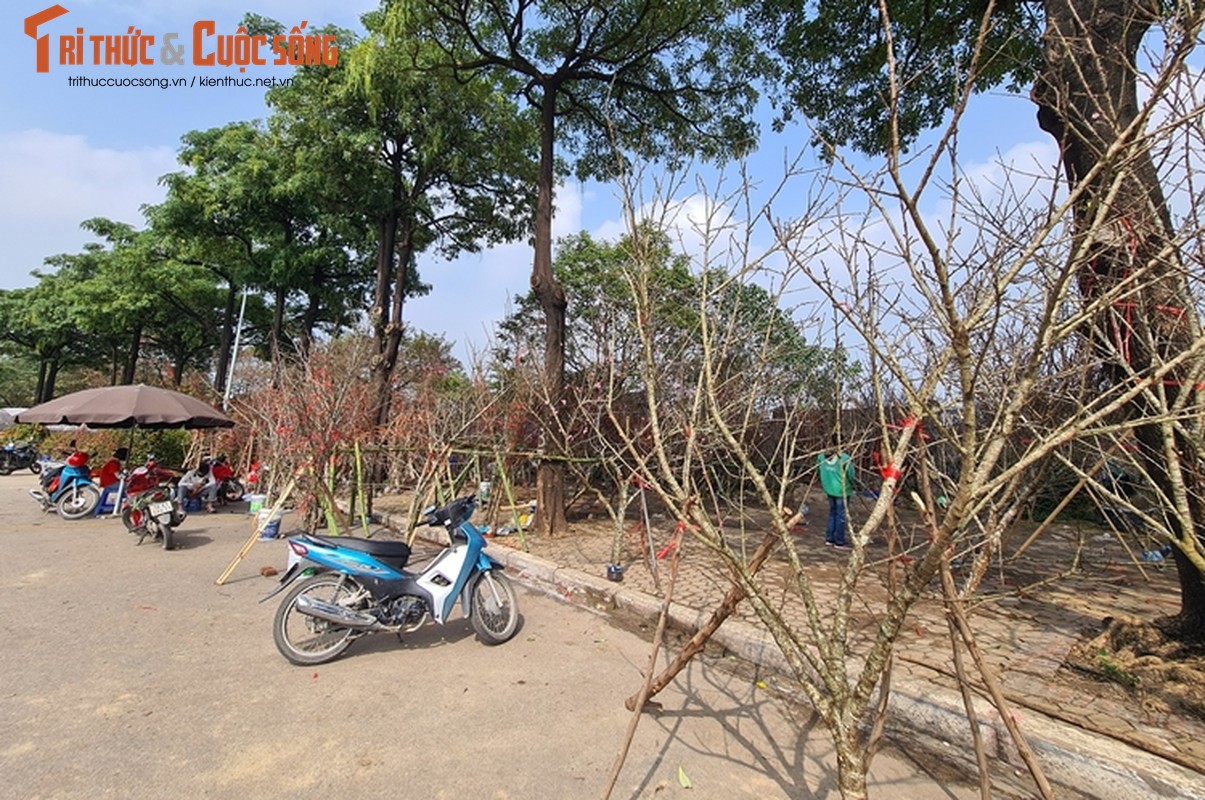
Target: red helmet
77,459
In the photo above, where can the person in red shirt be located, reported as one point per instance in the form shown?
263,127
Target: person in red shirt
221,470
110,472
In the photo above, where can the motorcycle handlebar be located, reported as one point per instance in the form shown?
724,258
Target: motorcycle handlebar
452,514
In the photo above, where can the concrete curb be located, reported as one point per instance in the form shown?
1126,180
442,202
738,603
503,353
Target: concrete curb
1089,763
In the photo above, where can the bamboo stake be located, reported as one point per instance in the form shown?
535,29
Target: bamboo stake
992,684
256,531
968,701
360,489
510,498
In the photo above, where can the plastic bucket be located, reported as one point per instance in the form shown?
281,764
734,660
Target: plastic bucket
269,525
257,503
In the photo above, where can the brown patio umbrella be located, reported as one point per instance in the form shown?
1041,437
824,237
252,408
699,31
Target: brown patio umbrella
138,406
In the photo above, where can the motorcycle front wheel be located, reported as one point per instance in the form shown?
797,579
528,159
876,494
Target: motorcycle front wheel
78,502
36,467
305,640
133,518
495,610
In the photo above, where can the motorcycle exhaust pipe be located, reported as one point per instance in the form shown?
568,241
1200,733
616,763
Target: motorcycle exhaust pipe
338,615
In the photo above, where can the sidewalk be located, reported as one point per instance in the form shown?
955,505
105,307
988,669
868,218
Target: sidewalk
1090,735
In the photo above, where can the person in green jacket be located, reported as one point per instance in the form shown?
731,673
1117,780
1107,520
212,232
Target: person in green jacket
837,478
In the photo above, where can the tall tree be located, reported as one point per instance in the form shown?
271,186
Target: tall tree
604,328
662,78
38,319
875,76
252,211
403,174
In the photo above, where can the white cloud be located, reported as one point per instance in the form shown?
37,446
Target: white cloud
55,182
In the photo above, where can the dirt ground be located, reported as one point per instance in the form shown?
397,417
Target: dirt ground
128,673
1085,584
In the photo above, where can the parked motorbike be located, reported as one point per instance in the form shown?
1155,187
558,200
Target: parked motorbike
149,476
68,488
347,587
19,455
230,488
155,513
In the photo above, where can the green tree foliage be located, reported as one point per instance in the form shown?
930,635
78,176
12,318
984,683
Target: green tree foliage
248,210
36,319
660,78
402,174
115,303
604,330
834,62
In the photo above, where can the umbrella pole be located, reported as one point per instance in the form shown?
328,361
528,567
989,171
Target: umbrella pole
121,491
121,486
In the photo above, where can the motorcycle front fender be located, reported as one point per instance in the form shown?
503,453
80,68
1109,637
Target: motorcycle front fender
484,564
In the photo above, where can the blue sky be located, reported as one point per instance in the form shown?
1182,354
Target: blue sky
69,153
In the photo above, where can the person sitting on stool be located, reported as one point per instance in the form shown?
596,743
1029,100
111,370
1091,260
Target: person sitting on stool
198,482
109,473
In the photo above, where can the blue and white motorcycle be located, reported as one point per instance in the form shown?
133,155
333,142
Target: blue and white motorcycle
67,488
347,587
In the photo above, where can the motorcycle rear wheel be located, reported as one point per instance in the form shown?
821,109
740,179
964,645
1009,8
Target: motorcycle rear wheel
232,491
167,532
305,640
78,502
495,609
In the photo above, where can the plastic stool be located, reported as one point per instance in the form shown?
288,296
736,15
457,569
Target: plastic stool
192,504
109,499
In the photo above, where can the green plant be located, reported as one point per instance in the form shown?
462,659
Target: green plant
1114,671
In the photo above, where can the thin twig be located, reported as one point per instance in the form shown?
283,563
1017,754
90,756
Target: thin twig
676,540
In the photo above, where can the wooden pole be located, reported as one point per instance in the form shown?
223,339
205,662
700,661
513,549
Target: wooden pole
256,531
697,642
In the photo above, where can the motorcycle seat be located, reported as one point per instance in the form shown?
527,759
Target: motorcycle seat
392,550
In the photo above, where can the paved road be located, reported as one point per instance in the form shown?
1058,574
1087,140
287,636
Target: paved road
126,672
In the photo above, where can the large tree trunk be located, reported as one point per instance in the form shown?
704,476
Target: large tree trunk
395,248
309,320
1124,238
278,324
394,330
52,375
550,475
131,363
381,311
39,393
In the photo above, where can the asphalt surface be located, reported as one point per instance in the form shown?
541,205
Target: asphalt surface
127,672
